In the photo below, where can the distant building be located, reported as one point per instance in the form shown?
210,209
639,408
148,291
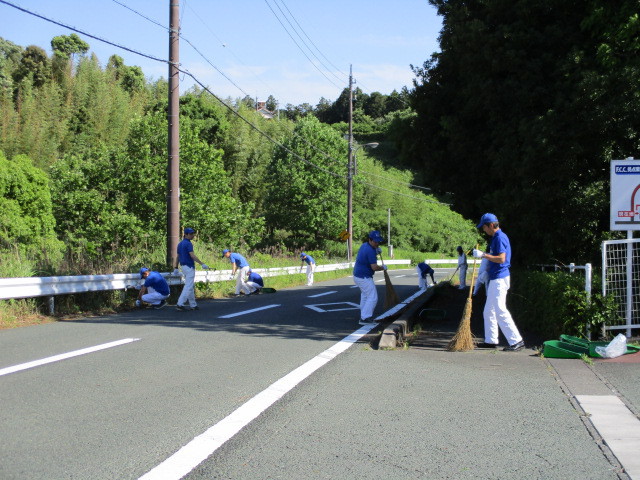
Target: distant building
262,110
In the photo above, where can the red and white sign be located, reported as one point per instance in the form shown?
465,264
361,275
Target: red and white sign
625,195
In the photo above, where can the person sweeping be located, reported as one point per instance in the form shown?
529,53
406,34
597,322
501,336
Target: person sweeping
495,310
366,265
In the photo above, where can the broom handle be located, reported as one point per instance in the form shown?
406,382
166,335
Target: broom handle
473,276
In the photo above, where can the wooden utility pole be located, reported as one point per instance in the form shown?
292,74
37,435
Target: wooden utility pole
173,118
350,172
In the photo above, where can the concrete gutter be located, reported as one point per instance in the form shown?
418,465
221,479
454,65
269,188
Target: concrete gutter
397,331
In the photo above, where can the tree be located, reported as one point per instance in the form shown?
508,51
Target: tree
521,100
271,104
27,223
34,64
66,46
308,176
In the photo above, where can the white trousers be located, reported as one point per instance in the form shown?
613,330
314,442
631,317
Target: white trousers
253,286
463,275
310,269
423,283
368,296
188,293
496,313
153,297
241,284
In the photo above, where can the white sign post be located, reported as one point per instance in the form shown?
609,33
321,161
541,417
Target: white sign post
625,215
625,195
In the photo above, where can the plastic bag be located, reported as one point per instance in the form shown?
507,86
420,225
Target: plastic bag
617,347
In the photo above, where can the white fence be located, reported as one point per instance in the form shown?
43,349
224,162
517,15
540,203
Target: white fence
621,278
29,287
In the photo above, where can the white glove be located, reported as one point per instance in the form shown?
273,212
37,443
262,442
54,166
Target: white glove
205,266
477,253
384,267
138,303
176,272
231,277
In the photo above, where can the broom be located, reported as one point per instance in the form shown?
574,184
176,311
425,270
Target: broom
462,341
391,297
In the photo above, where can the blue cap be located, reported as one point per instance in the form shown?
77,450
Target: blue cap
189,230
375,236
302,255
487,218
142,270
226,250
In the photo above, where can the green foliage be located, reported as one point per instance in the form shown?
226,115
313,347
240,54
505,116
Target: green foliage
26,220
555,303
65,46
305,185
534,97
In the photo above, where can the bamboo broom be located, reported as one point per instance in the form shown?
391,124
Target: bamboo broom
462,341
391,298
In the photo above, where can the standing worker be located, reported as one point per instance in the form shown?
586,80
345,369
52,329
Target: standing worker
187,260
423,270
154,290
254,282
462,267
495,309
311,267
239,263
365,266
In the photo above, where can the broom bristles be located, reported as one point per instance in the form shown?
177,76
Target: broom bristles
462,341
391,298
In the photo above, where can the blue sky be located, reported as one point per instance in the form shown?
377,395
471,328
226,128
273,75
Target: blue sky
246,41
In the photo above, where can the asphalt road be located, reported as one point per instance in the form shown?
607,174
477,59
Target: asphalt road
122,412
118,412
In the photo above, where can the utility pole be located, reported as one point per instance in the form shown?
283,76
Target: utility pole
350,171
173,119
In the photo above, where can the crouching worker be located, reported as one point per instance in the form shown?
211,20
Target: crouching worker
423,270
154,290
254,282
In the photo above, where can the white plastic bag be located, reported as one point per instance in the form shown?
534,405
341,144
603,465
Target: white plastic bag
616,348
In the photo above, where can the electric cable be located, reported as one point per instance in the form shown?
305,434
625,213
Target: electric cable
297,45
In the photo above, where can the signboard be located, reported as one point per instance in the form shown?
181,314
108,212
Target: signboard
625,195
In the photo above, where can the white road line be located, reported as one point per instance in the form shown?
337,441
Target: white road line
244,312
64,356
322,294
619,428
201,447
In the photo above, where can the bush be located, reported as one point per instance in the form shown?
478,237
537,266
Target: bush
554,303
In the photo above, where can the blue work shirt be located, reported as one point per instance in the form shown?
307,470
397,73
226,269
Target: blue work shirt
239,260
309,259
157,282
499,244
255,278
184,247
366,257
425,269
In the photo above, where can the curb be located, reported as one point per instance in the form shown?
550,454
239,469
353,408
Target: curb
397,331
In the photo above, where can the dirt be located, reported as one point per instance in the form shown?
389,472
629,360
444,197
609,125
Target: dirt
440,317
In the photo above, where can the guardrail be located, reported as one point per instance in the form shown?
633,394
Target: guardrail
30,287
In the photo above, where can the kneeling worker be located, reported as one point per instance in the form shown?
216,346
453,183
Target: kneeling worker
254,282
155,289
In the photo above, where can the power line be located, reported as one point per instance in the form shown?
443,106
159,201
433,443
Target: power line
297,45
303,41
186,72
346,76
108,42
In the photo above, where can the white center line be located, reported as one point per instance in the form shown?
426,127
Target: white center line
201,447
64,356
244,312
322,294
